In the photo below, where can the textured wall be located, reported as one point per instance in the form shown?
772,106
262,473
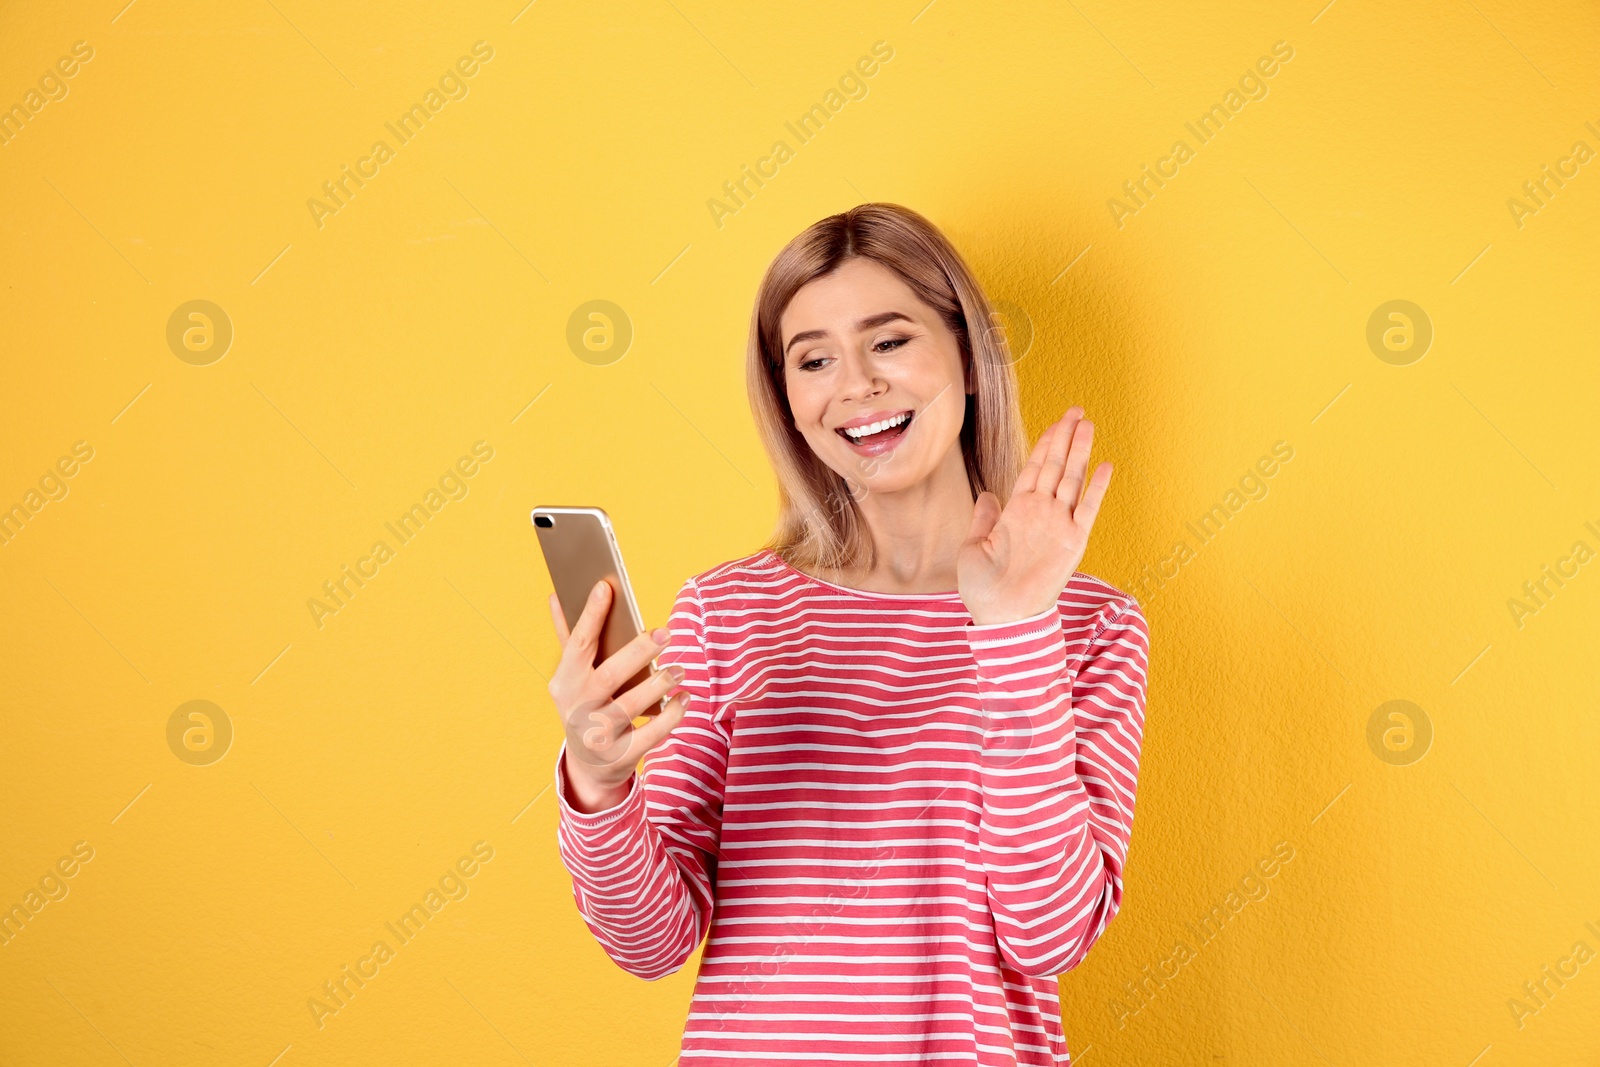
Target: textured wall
188,484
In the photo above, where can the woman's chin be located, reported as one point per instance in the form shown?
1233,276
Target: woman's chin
889,471
880,482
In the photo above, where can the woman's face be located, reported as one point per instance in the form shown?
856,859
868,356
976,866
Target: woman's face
861,349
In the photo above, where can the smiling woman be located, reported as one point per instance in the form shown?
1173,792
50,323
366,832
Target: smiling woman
910,322
895,792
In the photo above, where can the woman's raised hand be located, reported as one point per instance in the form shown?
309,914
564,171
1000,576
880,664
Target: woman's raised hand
1015,562
603,746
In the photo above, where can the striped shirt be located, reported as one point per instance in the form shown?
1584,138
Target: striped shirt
896,826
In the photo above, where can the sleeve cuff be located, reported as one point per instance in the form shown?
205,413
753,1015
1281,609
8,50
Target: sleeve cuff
581,821
1004,651
1003,633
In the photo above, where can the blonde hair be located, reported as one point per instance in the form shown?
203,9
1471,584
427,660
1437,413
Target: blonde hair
819,521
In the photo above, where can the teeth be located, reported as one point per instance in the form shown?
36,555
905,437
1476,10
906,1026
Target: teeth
858,432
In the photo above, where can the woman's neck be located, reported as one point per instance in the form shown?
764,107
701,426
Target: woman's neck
917,533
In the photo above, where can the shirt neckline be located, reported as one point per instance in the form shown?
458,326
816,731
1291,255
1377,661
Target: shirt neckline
869,594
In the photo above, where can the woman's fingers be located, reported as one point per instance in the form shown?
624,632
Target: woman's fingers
602,730
621,664
645,697
1077,461
578,651
985,514
1055,459
1086,510
606,731
656,730
1028,477
593,616
585,635
560,620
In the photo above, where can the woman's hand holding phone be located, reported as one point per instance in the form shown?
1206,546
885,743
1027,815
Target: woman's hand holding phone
603,746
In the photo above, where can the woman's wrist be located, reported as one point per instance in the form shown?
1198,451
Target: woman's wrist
588,796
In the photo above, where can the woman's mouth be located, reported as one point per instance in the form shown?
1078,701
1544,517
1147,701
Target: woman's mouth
878,437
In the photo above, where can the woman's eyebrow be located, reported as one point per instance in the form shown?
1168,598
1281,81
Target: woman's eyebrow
865,324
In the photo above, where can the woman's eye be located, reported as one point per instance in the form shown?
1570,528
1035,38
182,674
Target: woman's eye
816,362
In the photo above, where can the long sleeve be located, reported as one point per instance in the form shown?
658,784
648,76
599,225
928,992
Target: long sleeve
1059,769
643,870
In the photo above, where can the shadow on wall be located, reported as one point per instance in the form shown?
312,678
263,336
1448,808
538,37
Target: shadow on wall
1218,772
1066,310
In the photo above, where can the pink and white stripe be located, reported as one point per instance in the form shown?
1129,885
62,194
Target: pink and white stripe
896,826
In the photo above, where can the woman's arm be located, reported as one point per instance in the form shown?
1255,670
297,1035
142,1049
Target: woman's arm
642,870
1060,764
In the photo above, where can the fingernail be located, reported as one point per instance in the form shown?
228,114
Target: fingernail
659,636
676,672
599,587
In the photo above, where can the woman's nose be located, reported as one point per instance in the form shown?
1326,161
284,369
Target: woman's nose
858,378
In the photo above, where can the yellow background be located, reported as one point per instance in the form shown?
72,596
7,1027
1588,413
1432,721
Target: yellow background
431,310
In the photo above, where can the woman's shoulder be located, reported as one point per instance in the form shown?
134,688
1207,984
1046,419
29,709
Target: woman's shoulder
761,573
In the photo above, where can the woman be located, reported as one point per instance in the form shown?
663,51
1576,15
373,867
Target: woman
896,781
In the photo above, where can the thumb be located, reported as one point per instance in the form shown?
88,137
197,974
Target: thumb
985,513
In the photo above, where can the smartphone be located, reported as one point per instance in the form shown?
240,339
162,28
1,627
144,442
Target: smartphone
580,549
